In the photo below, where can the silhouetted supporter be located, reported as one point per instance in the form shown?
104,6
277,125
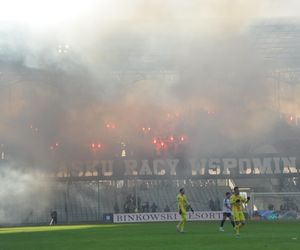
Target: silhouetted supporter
116,208
211,205
53,218
153,207
167,209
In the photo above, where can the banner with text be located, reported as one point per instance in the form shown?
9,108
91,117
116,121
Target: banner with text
193,167
166,216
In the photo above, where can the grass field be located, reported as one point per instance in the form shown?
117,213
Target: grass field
204,236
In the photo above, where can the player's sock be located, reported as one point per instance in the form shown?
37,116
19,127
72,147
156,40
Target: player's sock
237,229
182,225
232,223
241,225
222,223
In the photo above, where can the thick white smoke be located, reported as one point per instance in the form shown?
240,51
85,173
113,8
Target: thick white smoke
64,83
23,196
178,67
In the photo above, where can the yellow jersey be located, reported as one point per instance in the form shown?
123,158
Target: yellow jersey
182,202
237,207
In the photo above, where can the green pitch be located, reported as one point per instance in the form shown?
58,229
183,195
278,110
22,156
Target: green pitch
162,236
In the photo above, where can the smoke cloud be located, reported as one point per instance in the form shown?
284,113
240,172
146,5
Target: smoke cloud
67,84
129,68
19,196
181,68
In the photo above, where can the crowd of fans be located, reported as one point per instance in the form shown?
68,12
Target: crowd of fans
134,204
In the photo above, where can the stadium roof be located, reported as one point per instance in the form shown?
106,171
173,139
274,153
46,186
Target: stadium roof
278,40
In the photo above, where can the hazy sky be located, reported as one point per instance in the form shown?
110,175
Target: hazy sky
59,12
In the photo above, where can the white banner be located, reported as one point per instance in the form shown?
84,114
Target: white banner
170,216
216,167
